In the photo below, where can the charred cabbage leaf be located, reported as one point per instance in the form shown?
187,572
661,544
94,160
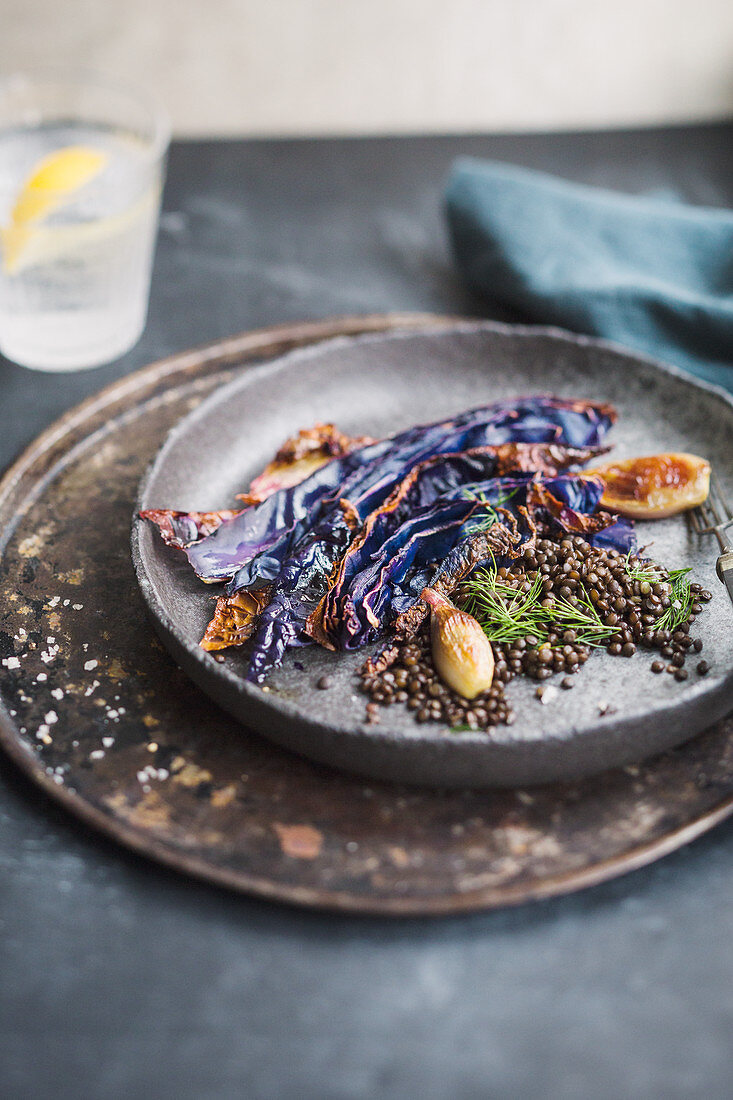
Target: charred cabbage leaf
299,457
181,529
234,619
387,576
442,477
563,505
462,560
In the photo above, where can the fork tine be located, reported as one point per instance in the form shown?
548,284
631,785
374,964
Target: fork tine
719,502
705,517
710,511
697,519
714,512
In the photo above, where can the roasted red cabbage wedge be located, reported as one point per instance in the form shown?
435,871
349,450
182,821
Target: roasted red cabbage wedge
284,622
375,594
304,573
388,573
470,552
283,551
443,476
558,503
262,539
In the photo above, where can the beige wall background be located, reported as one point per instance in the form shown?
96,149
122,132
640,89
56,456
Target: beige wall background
292,67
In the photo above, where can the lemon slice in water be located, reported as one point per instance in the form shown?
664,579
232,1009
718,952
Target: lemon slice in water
53,182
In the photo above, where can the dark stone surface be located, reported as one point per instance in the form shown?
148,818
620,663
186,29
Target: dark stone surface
119,978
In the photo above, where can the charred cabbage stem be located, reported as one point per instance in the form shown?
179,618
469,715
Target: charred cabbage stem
462,653
654,486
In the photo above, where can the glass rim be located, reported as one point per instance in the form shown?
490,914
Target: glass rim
149,102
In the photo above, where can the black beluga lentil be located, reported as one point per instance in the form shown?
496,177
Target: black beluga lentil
631,600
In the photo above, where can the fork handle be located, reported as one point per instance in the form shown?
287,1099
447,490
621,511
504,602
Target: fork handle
724,569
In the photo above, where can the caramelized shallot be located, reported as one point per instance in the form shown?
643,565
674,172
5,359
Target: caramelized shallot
654,486
462,653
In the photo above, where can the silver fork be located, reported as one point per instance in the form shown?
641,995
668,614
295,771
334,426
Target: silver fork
714,517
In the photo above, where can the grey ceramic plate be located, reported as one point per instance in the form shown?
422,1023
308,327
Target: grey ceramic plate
376,385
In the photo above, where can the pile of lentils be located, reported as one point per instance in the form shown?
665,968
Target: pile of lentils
576,572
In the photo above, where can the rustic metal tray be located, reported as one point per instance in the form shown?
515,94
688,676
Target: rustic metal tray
95,712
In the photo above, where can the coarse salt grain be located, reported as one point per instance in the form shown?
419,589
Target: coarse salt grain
41,677
89,665
57,693
51,717
108,742
96,754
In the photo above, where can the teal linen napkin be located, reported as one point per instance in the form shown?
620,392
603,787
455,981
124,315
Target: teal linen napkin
644,271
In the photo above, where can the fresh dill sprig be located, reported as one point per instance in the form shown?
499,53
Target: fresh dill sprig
506,613
681,599
583,618
644,571
651,572
680,593
489,515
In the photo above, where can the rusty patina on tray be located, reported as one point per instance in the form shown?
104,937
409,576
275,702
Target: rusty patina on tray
97,714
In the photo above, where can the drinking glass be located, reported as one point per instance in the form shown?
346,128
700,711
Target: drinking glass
82,164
